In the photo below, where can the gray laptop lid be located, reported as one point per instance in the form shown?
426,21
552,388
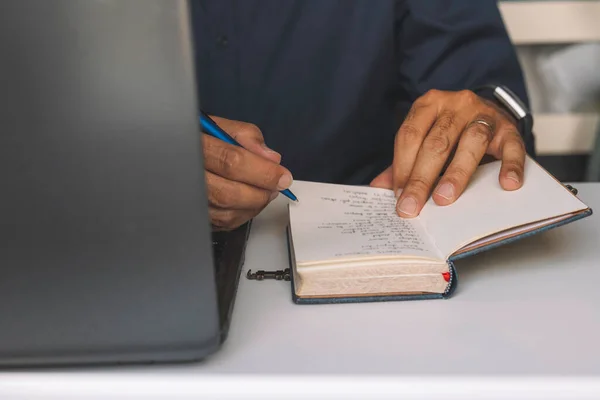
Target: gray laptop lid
105,239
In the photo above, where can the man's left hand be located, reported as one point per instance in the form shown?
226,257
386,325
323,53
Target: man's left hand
439,124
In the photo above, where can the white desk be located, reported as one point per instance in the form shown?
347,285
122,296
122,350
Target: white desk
525,319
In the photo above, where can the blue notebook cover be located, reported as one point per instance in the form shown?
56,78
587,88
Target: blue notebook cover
453,281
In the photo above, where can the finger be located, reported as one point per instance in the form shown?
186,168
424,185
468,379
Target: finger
238,164
383,180
224,220
248,136
472,146
512,167
429,163
226,194
408,141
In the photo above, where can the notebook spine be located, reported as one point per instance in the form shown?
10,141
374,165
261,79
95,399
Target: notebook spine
451,280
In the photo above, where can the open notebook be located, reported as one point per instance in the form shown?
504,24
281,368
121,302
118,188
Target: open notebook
348,244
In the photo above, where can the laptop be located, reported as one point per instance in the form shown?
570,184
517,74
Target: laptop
107,254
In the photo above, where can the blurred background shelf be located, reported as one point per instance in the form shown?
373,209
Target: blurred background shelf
566,134
566,139
542,22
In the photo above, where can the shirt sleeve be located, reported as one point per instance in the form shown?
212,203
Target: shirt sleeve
454,45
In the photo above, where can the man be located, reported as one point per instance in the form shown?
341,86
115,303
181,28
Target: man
353,91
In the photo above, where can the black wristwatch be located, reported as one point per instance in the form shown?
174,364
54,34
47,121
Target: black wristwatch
515,106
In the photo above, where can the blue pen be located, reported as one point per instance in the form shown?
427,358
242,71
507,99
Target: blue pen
210,127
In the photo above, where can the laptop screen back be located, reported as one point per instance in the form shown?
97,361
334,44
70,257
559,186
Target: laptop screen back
106,252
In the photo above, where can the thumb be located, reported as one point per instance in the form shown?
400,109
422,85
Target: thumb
249,137
384,180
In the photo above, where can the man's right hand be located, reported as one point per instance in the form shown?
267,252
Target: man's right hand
241,181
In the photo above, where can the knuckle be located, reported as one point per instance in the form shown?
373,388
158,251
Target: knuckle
231,219
507,129
268,197
420,102
519,143
446,121
222,197
418,185
427,98
492,114
251,128
211,148
457,175
250,131
479,134
270,177
432,93
263,198
437,144
227,219
468,96
218,218
410,133
513,142
229,159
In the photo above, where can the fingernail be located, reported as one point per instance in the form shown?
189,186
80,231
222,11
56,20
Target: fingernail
284,182
512,175
446,190
398,193
273,196
408,206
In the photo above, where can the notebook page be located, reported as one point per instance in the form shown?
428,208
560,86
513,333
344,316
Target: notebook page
511,232
349,222
485,208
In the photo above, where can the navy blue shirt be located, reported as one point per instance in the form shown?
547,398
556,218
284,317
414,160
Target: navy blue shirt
329,81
